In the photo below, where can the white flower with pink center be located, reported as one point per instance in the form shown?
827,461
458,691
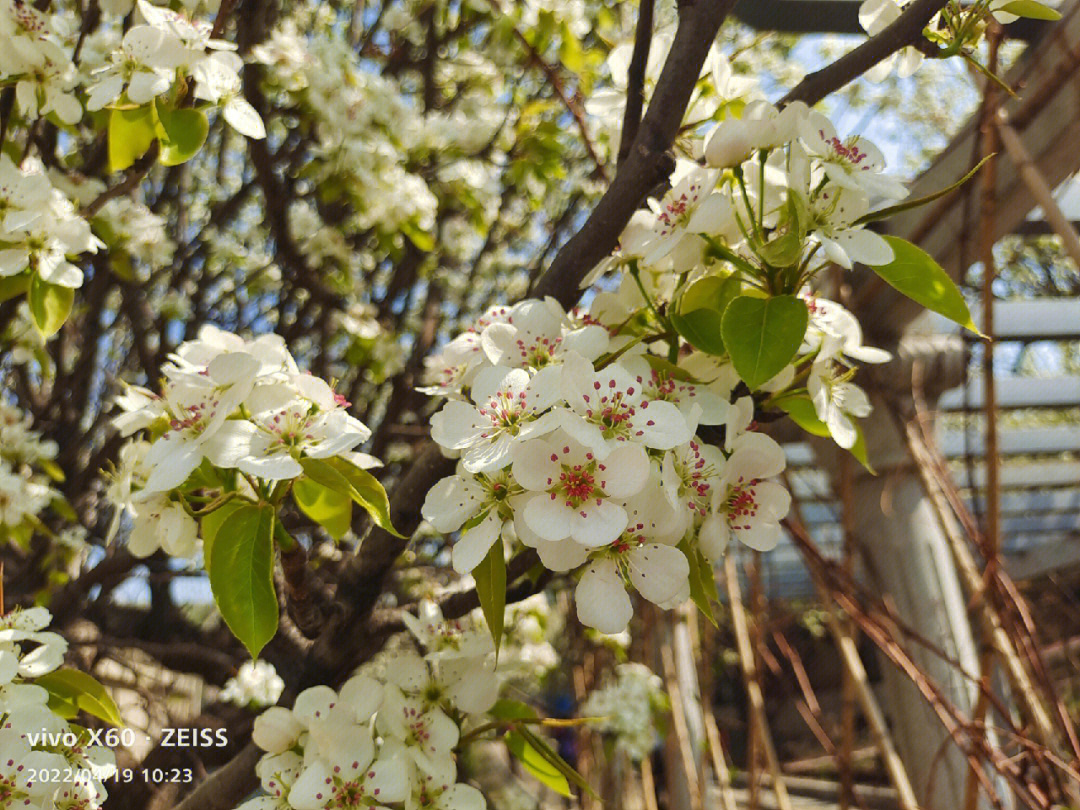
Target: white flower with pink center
538,334
690,473
277,774
452,369
680,216
303,417
696,402
835,331
427,736
608,408
837,400
482,501
196,413
744,504
855,164
576,494
510,408
659,572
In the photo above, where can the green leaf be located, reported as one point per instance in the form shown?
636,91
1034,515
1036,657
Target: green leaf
331,510
548,753
802,413
52,469
72,689
418,236
366,491
490,578
914,273
762,335
50,305
131,132
211,525
885,213
506,709
701,312
11,286
241,575
702,581
1031,10
181,134
859,449
60,505
536,764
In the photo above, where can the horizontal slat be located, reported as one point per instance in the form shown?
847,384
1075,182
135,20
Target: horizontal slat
1015,526
1045,319
1017,392
1024,476
953,444
1013,502
1021,441
1052,500
811,484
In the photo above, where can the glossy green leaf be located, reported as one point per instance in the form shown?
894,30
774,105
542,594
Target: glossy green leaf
211,523
367,492
914,273
71,690
11,286
50,305
181,134
859,449
1031,10
331,510
762,335
701,312
551,755
490,578
241,575
131,132
802,413
536,764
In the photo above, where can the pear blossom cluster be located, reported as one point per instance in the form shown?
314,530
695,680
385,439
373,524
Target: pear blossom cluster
627,708
388,737
256,685
619,445
34,740
167,44
957,25
241,407
592,460
24,487
39,226
143,66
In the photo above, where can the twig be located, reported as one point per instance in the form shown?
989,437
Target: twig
752,683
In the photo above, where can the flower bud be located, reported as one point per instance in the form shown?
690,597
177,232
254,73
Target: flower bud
276,730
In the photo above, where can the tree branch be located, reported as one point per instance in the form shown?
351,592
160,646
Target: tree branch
903,31
635,79
648,163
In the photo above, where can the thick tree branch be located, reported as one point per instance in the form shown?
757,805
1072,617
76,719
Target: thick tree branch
648,162
635,79
905,30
